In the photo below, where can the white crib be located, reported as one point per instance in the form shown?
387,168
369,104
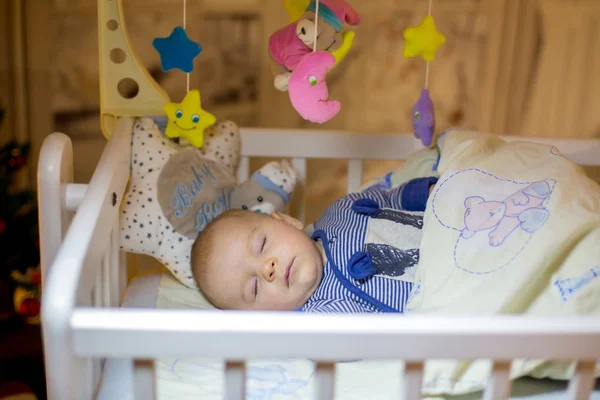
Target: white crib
84,276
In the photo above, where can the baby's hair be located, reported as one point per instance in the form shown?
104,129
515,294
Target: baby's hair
201,254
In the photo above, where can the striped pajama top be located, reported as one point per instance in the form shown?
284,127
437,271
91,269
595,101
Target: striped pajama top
372,241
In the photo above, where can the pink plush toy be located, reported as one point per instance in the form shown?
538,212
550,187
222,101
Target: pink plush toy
308,89
291,43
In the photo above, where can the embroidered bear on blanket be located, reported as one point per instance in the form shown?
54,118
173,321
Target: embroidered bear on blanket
523,209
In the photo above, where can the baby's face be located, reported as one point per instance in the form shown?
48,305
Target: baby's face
263,262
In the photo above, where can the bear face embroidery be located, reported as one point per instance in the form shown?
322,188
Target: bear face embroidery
522,209
481,215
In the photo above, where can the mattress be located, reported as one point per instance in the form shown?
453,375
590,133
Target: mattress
197,378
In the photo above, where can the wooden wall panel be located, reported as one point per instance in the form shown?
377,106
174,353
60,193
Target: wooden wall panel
6,129
565,94
38,52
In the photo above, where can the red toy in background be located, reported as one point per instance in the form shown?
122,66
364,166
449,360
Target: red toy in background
19,237
27,295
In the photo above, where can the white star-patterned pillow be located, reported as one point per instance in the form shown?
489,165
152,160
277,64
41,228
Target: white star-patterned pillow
175,191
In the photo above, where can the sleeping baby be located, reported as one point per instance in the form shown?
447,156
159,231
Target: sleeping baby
361,257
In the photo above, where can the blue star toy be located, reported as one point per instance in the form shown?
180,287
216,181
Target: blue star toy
177,51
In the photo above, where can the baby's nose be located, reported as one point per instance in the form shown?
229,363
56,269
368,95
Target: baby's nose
269,269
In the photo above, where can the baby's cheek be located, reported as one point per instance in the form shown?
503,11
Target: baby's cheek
274,299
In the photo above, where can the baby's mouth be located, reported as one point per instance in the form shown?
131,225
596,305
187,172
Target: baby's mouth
288,272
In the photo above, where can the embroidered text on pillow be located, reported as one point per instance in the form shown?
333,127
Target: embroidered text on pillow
181,198
193,190
207,212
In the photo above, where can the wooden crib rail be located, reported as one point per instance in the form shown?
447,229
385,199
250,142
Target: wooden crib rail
272,335
238,336
299,143
302,145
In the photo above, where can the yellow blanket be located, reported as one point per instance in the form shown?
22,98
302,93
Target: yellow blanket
511,228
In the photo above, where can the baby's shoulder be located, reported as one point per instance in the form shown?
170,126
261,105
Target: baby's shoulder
344,204
341,224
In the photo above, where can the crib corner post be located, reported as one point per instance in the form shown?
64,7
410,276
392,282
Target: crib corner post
55,172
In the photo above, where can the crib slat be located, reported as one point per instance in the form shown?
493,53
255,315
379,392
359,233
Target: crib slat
115,296
325,381
355,170
97,291
74,195
144,382
243,172
235,380
299,165
413,381
105,284
582,383
122,273
498,387
97,365
87,373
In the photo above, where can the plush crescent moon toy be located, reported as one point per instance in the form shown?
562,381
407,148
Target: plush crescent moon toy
308,89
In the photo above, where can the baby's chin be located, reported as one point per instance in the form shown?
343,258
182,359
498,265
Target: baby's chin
307,288
295,299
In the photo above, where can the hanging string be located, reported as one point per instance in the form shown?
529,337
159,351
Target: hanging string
316,24
187,75
184,14
428,63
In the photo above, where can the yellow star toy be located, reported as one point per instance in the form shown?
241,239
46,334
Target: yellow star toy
423,40
188,119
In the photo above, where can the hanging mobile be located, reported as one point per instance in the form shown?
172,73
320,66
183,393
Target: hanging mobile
186,119
423,40
299,67
307,84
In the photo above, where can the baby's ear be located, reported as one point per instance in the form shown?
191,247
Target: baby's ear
288,220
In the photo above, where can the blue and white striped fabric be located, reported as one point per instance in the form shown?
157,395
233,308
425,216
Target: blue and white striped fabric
352,280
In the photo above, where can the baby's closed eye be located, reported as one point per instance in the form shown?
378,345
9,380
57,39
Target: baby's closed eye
260,244
250,290
254,287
